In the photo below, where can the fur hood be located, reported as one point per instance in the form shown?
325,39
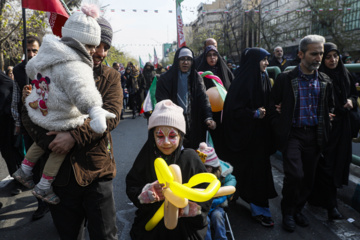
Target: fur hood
51,45
63,85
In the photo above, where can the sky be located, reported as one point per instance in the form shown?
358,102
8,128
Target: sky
133,30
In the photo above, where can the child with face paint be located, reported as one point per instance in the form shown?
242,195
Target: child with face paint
166,134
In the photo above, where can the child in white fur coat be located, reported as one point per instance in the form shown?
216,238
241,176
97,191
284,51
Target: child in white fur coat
65,93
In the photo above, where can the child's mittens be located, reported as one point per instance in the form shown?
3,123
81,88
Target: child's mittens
191,210
98,117
151,192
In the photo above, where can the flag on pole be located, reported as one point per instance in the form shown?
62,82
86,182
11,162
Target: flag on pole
150,100
141,63
57,12
150,58
155,59
180,24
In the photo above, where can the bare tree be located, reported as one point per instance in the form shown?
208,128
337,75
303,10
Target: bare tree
335,24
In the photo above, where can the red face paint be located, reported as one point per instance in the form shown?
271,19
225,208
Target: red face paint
166,139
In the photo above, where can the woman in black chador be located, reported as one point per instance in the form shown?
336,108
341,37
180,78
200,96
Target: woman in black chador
166,135
247,133
185,87
333,169
212,61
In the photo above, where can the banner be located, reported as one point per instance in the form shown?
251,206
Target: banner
155,59
150,58
150,100
141,63
56,22
179,25
57,12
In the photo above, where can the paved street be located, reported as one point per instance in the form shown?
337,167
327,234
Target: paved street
129,136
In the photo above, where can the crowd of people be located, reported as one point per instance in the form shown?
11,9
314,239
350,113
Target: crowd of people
64,148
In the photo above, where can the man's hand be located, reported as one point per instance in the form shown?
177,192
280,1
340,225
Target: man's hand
26,92
278,108
331,115
262,112
349,104
211,124
62,143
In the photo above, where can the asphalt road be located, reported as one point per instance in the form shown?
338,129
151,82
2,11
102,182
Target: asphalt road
129,137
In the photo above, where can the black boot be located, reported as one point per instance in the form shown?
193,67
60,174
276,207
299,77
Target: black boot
42,209
122,114
334,214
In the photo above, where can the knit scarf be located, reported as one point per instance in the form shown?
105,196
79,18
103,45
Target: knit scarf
79,48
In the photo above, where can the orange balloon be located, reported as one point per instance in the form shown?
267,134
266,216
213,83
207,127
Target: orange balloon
216,101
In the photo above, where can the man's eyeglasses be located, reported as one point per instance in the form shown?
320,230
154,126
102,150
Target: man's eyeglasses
184,59
33,50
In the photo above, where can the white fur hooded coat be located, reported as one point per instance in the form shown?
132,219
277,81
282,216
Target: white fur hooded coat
64,89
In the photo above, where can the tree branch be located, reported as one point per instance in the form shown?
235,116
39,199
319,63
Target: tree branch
7,36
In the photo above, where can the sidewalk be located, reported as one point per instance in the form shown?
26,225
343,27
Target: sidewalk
16,213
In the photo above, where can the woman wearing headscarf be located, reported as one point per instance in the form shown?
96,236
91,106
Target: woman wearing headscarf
132,74
212,61
185,87
166,134
247,129
333,168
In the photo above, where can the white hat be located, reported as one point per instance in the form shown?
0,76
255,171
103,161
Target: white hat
166,113
185,52
83,26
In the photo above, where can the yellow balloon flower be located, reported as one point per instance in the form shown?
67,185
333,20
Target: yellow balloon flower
177,194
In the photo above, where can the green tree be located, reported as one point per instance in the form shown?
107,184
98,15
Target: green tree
169,60
116,55
11,23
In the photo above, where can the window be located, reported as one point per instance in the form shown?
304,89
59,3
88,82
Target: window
351,17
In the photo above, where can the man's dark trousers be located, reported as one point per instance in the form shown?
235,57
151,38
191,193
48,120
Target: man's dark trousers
300,159
94,202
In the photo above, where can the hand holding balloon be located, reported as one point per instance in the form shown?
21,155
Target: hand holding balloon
152,192
177,194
